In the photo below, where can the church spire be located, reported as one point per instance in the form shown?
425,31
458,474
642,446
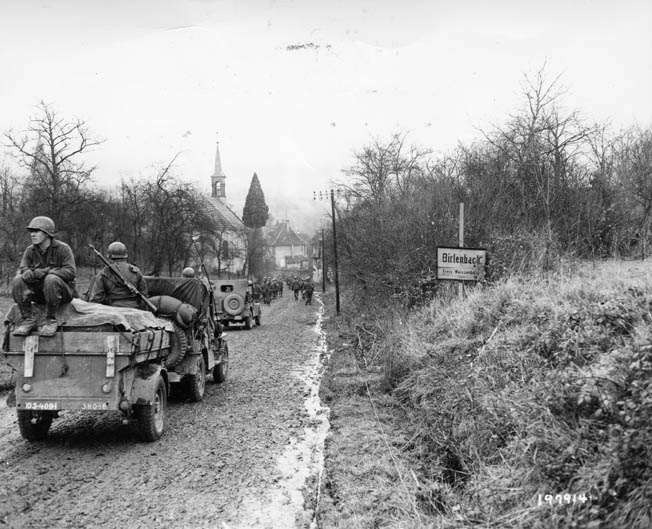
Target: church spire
218,178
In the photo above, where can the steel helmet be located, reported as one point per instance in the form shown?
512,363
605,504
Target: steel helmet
189,271
117,250
45,224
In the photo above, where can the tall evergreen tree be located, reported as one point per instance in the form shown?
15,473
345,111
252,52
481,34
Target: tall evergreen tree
254,216
255,211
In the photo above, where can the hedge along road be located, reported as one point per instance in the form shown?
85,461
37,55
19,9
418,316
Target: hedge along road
239,459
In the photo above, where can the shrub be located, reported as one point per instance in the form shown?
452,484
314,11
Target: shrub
535,387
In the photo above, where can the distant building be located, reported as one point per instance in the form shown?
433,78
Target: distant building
227,246
290,252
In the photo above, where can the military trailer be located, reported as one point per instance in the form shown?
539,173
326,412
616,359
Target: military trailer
100,359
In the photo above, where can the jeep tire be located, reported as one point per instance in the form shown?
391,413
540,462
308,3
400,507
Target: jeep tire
221,370
234,304
196,384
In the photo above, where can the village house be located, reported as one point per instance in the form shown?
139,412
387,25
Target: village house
289,250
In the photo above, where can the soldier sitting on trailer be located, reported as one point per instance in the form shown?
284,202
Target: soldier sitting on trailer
46,275
109,290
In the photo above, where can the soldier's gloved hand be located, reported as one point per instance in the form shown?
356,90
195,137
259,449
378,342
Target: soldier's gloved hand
28,276
40,273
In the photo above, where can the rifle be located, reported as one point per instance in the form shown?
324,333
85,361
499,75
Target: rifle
124,280
203,266
205,271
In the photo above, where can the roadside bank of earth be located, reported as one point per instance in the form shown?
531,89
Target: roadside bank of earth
369,479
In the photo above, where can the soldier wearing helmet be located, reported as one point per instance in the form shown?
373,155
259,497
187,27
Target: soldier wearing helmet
308,289
46,275
109,290
189,272
296,287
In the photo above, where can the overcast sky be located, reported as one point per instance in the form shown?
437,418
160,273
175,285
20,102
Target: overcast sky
291,88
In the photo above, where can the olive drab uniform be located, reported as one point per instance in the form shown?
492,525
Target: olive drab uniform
296,288
109,290
46,275
267,292
308,289
258,292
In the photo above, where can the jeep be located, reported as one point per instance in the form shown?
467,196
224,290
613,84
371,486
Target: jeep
235,302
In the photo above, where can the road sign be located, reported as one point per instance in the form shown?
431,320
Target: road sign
461,264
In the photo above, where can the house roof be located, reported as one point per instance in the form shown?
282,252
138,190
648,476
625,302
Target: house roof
224,215
282,235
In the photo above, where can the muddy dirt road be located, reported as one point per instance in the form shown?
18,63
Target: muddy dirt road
239,459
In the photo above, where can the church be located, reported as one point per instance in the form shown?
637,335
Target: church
225,249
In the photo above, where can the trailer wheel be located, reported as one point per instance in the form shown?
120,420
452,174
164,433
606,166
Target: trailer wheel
34,425
197,382
221,370
151,418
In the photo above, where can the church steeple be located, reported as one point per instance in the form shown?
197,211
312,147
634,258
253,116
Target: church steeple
218,178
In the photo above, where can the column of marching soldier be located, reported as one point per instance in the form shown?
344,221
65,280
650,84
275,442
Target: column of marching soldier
272,287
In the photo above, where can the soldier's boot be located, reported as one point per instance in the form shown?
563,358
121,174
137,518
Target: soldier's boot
49,327
27,322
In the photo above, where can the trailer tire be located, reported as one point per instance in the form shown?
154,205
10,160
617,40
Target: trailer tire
196,384
151,417
34,431
221,370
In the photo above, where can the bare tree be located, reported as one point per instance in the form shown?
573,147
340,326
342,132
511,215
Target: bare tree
52,150
171,212
634,167
540,146
12,222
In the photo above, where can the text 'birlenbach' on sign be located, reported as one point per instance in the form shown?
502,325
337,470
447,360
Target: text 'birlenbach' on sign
461,264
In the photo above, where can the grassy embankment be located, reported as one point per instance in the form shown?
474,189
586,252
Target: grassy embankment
525,404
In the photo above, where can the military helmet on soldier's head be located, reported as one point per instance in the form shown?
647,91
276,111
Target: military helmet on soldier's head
189,271
45,224
117,250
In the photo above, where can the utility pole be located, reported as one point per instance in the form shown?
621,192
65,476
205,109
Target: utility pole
322,195
337,280
323,263
460,285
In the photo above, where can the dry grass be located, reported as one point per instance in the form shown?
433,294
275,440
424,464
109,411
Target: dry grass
535,386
